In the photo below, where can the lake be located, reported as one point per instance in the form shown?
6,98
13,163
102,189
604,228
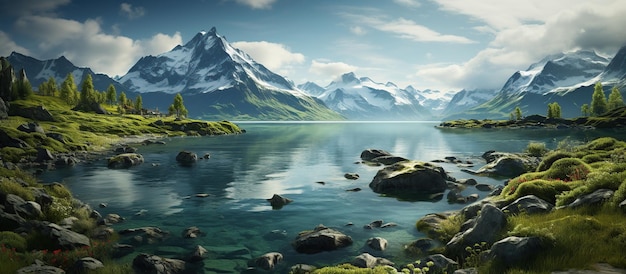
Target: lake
290,159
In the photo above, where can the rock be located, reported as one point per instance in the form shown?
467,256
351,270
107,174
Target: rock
186,157
377,243
44,155
529,204
206,156
356,189
12,203
102,233
497,190
121,250
4,111
31,127
514,250
267,261
365,260
420,246
506,164
40,267
145,263
369,154
471,270
125,160
388,159
484,187
38,113
7,140
320,239
113,218
431,223
455,196
29,210
469,182
125,149
278,201
64,161
198,254
65,238
410,176
472,198
622,205
57,136
147,234
594,198
192,232
487,225
441,264
42,197
83,265
373,224
386,225
351,176
10,221
302,269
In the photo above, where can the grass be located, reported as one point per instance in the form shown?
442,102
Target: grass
350,269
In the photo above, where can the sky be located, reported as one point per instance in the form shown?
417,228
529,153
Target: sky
445,45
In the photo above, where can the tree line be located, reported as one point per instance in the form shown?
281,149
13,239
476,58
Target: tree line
87,97
599,104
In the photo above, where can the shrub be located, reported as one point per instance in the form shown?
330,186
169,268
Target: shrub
536,149
620,194
568,169
15,188
604,143
544,189
551,158
11,240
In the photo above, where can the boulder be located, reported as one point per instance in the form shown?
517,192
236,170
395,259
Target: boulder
192,232
198,254
186,157
38,113
410,176
125,149
125,160
469,182
369,154
278,201
377,243
65,238
10,221
86,264
302,269
441,264
266,261
7,140
529,204
485,229
12,203
57,136
147,234
4,111
506,165
514,250
351,176
40,267
31,128
63,161
622,205
146,263
320,239
365,260
484,187
420,246
29,210
597,197
388,159
44,155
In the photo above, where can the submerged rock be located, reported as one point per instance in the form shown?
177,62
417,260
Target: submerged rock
410,176
320,239
369,154
278,201
125,160
377,243
146,263
365,260
186,157
266,261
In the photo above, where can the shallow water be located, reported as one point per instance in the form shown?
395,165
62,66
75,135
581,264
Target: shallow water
289,159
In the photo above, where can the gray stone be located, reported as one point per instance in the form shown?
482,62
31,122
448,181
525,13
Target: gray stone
10,221
44,155
484,187
302,269
192,232
198,254
125,160
56,136
29,210
410,176
31,128
320,239
441,263
597,197
278,201
146,263
7,140
351,176
86,264
38,113
65,238
377,243
266,261
64,161
466,271
4,111
147,234
186,157
514,250
12,203
365,260
369,154
622,205
469,182
388,159
488,223
40,267
506,164
530,204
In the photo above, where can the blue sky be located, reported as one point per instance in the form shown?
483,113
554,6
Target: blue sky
437,44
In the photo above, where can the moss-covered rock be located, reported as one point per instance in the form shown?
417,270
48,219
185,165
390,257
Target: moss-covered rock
410,177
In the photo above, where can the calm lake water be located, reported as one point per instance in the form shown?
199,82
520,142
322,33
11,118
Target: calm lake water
287,159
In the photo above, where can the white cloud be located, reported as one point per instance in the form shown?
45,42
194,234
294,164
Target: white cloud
7,46
271,55
408,3
406,29
257,4
524,34
357,30
330,70
28,7
85,44
132,12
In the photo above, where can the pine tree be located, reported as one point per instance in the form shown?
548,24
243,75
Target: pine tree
615,99
122,100
68,90
598,100
585,110
111,96
554,110
87,93
139,104
178,107
518,113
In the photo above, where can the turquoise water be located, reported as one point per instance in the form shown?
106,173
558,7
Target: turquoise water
287,159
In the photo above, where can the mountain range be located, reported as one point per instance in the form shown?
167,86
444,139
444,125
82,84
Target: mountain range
219,81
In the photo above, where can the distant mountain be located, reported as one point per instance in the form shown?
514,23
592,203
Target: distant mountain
467,99
39,71
364,99
218,81
311,88
565,78
433,100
